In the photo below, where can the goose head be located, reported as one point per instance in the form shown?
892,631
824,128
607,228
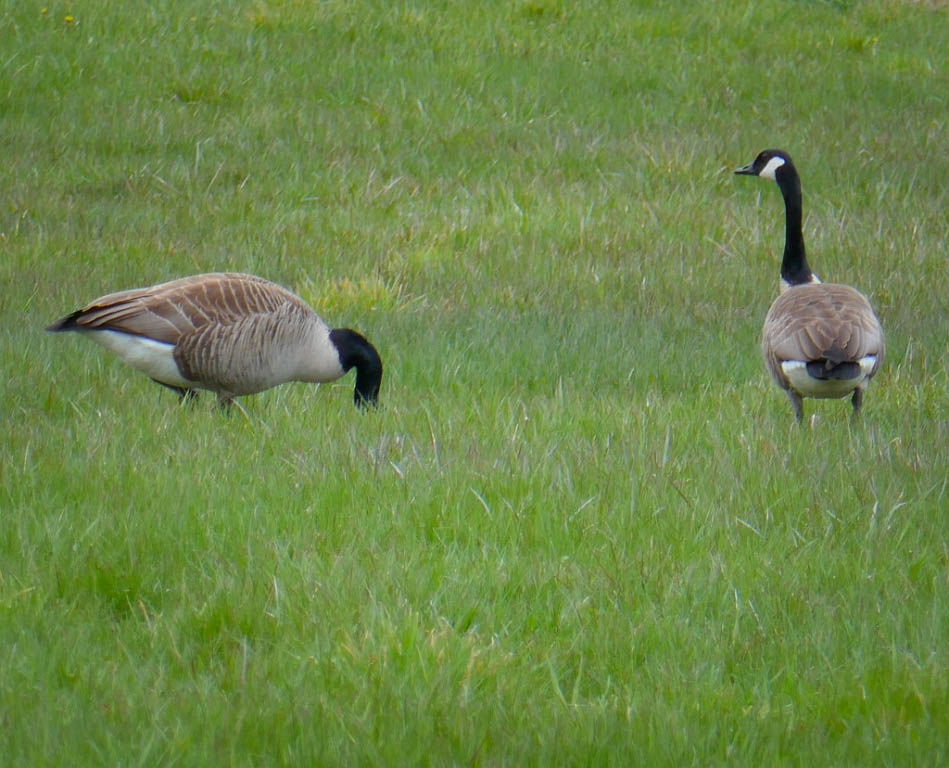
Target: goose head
355,351
771,164
776,165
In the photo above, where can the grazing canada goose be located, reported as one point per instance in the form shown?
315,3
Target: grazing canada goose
819,339
228,333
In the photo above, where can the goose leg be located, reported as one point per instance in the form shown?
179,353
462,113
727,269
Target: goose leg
796,404
228,404
184,395
857,401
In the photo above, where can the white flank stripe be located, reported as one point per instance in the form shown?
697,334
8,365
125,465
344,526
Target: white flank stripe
866,364
154,358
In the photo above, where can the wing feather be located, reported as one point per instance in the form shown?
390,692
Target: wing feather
170,311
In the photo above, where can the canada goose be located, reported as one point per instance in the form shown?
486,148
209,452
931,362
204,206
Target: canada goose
228,333
819,339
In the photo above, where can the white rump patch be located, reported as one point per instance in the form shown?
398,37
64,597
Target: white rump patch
154,358
773,164
801,381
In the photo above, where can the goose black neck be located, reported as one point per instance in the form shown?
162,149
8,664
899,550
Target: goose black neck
356,352
794,267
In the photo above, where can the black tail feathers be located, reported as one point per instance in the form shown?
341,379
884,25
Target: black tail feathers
828,369
67,323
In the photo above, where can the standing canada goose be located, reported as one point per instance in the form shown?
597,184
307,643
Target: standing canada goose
228,333
819,339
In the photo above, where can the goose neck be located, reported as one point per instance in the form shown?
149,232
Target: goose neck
794,267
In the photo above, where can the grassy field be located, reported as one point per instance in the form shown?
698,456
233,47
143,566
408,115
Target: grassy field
584,528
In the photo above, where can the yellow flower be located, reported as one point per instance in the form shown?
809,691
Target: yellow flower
68,19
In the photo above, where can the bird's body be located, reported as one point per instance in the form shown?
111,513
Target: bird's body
229,333
819,340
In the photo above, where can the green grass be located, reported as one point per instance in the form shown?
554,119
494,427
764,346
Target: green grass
584,528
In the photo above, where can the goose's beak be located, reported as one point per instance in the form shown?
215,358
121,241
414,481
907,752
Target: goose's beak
746,170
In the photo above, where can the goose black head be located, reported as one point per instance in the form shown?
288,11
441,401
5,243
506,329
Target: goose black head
355,351
767,164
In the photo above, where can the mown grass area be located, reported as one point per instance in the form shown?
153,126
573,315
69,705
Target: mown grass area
584,528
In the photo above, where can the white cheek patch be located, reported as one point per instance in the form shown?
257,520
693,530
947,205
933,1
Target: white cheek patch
773,164
153,358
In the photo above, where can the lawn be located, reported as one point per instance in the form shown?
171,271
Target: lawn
583,528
